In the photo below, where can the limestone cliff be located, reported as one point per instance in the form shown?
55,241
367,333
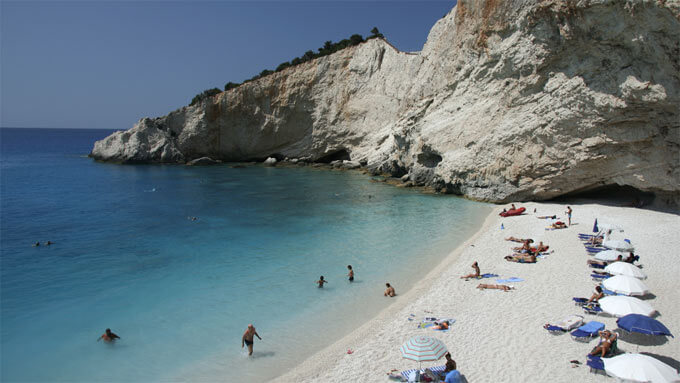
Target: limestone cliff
508,100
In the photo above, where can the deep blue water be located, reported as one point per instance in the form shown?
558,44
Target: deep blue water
180,292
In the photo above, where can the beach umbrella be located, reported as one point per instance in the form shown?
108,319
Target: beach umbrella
623,284
640,368
625,268
642,324
608,255
618,245
595,229
619,306
422,349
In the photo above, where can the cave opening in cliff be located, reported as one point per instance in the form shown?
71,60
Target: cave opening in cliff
339,155
619,195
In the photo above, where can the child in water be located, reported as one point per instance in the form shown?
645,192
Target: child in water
321,281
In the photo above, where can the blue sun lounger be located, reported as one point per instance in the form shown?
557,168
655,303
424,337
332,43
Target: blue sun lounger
595,363
599,277
593,310
586,332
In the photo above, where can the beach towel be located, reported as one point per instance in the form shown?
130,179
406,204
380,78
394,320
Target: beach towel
509,280
487,275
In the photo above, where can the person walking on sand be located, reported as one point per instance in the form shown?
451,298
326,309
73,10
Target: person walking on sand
568,215
249,338
389,292
351,273
476,274
108,336
321,281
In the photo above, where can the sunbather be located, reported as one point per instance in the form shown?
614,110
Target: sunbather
558,225
596,295
608,338
520,240
541,247
603,263
547,217
630,258
476,274
483,286
441,325
521,258
525,248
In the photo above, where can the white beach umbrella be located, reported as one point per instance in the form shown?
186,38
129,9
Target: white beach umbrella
608,255
625,268
640,368
619,306
624,284
618,245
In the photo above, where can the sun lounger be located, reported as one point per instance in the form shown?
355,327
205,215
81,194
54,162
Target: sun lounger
594,250
437,370
587,331
593,309
579,301
596,364
596,266
566,324
599,277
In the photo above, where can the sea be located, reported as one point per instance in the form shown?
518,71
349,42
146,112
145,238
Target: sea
178,260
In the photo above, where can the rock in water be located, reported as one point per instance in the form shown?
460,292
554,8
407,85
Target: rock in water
508,100
271,161
203,161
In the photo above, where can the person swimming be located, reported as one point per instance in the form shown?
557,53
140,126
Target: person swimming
108,336
321,281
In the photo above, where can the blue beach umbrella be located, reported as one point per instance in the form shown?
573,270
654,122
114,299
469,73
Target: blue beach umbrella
595,229
642,324
422,349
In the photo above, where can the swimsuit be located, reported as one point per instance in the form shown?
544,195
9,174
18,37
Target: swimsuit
248,342
351,278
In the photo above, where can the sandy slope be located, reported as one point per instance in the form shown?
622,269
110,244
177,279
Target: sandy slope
498,336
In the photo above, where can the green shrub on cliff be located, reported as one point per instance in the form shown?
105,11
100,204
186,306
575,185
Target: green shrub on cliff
205,94
328,48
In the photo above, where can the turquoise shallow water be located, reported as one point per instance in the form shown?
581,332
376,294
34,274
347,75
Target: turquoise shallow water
180,292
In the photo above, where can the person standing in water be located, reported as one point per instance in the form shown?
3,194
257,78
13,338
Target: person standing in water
108,336
321,281
351,273
389,292
249,338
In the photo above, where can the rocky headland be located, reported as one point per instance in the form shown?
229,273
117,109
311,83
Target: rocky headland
508,100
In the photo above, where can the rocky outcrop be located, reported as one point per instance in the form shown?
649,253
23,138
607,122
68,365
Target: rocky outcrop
508,100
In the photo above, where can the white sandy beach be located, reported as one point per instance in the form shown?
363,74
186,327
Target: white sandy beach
498,336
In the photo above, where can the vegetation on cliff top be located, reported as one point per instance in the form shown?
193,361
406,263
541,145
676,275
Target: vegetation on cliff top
328,48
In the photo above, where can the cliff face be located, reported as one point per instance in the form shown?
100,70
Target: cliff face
508,100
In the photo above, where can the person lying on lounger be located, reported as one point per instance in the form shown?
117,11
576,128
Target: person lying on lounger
520,240
483,286
441,325
608,338
476,274
521,258
603,263
596,295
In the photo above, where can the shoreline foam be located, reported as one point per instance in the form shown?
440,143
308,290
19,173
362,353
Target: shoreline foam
499,336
